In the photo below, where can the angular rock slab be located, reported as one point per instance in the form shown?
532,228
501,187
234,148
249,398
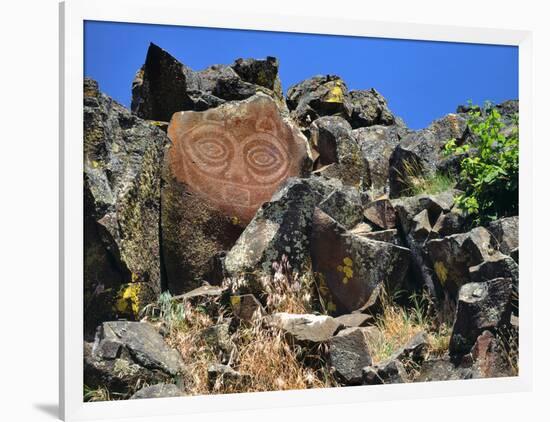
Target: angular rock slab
281,227
237,155
157,391
306,327
352,266
122,176
222,165
452,256
319,96
481,306
377,144
349,354
339,153
164,86
125,352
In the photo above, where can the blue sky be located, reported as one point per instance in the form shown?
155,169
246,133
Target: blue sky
421,80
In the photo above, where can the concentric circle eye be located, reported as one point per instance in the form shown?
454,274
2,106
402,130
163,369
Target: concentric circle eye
208,148
265,158
211,149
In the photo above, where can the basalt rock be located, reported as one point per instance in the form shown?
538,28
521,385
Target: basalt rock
319,96
388,372
377,144
164,86
222,165
369,108
339,153
349,354
306,328
380,213
125,353
416,217
354,267
282,226
122,155
452,256
506,233
157,391
481,306
419,153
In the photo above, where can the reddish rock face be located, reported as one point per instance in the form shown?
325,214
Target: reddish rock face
237,155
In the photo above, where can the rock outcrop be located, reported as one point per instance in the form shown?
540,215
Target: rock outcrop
220,167
352,266
127,353
281,243
121,209
164,86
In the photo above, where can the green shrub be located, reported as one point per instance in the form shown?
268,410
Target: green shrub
489,168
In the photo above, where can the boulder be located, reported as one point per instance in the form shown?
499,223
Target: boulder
354,320
353,266
415,217
419,153
222,165
122,155
318,96
369,108
381,213
452,256
282,226
388,372
506,233
377,144
306,328
450,223
481,306
489,358
497,266
344,205
442,369
157,391
339,153
126,352
348,353
408,207
164,86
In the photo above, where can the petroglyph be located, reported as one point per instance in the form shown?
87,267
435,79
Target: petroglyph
236,155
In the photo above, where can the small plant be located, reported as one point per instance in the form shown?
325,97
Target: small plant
489,167
96,394
416,181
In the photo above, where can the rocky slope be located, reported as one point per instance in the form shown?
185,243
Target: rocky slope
278,224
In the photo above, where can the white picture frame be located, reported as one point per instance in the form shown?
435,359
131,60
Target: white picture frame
73,13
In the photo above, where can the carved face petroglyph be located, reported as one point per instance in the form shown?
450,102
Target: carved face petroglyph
235,156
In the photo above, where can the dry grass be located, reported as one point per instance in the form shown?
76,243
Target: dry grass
415,180
398,325
268,360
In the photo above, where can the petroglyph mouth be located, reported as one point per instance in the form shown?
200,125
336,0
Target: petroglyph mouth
237,155
236,195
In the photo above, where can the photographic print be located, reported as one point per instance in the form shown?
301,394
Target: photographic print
269,211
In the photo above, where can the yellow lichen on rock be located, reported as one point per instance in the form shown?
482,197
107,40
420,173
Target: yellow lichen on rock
128,300
335,95
346,269
441,271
